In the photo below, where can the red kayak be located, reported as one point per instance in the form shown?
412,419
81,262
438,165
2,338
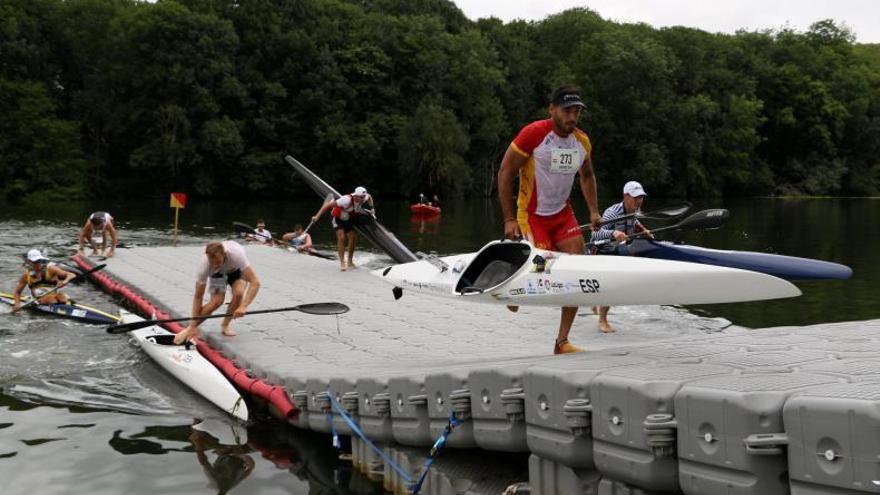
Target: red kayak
423,209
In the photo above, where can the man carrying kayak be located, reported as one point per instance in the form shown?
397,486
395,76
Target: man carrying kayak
298,239
99,221
348,211
224,263
39,276
605,240
547,155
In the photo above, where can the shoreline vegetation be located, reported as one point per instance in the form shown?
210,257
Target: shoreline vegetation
124,98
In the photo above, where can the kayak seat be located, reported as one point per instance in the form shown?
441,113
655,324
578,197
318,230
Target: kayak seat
492,266
496,271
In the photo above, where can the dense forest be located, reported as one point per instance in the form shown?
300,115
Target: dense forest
123,97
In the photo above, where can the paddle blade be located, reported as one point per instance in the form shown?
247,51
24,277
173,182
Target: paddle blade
128,327
667,212
705,219
327,308
242,228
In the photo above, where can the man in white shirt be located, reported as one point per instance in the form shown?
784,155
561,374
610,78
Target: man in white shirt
99,221
260,234
224,263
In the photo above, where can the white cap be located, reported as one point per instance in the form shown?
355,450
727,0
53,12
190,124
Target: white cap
34,255
634,189
360,191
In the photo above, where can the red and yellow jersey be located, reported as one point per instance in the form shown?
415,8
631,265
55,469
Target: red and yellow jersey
545,182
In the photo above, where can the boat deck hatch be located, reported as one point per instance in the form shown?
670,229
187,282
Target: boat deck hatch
492,266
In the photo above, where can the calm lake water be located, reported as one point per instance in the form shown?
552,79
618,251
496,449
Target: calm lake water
85,412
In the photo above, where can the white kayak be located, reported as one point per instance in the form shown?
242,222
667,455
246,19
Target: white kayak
188,366
517,273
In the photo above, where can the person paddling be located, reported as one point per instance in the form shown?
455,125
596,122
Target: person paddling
39,276
348,211
547,155
99,221
260,235
298,239
605,239
224,263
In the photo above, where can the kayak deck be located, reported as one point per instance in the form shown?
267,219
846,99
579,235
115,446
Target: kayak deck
186,364
786,267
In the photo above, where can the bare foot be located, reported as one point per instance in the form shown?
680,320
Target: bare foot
228,332
342,267
351,264
606,327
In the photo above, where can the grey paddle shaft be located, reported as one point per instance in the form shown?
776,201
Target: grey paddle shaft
667,213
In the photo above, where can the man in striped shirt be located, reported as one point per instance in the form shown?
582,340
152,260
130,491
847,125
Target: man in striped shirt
605,240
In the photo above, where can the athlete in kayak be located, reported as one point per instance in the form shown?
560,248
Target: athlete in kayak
547,154
348,211
260,235
604,240
298,239
224,263
39,276
99,221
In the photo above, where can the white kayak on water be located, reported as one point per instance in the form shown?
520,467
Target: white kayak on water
517,273
188,366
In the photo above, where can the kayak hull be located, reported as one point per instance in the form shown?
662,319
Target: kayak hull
374,231
78,312
423,209
787,267
188,366
517,273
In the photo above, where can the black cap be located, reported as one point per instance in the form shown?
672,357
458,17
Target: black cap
567,96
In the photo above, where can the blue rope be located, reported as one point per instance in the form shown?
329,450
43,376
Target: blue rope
337,444
435,451
355,428
415,487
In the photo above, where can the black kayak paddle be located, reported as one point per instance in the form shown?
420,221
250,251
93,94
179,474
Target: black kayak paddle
326,308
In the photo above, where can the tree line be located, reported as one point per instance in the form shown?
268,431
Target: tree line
124,97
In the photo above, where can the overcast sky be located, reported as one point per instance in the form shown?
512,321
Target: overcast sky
861,16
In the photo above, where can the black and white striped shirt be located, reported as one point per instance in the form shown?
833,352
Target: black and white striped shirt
628,226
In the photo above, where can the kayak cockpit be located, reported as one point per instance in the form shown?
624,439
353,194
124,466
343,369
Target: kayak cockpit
166,340
493,265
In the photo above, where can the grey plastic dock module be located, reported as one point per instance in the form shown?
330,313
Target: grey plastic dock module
848,369
558,406
844,349
730,433
551,478
834,439
410,424
613,487
498,406
375,408
319,405
768,361
349,399
673,353
448,393
632,412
